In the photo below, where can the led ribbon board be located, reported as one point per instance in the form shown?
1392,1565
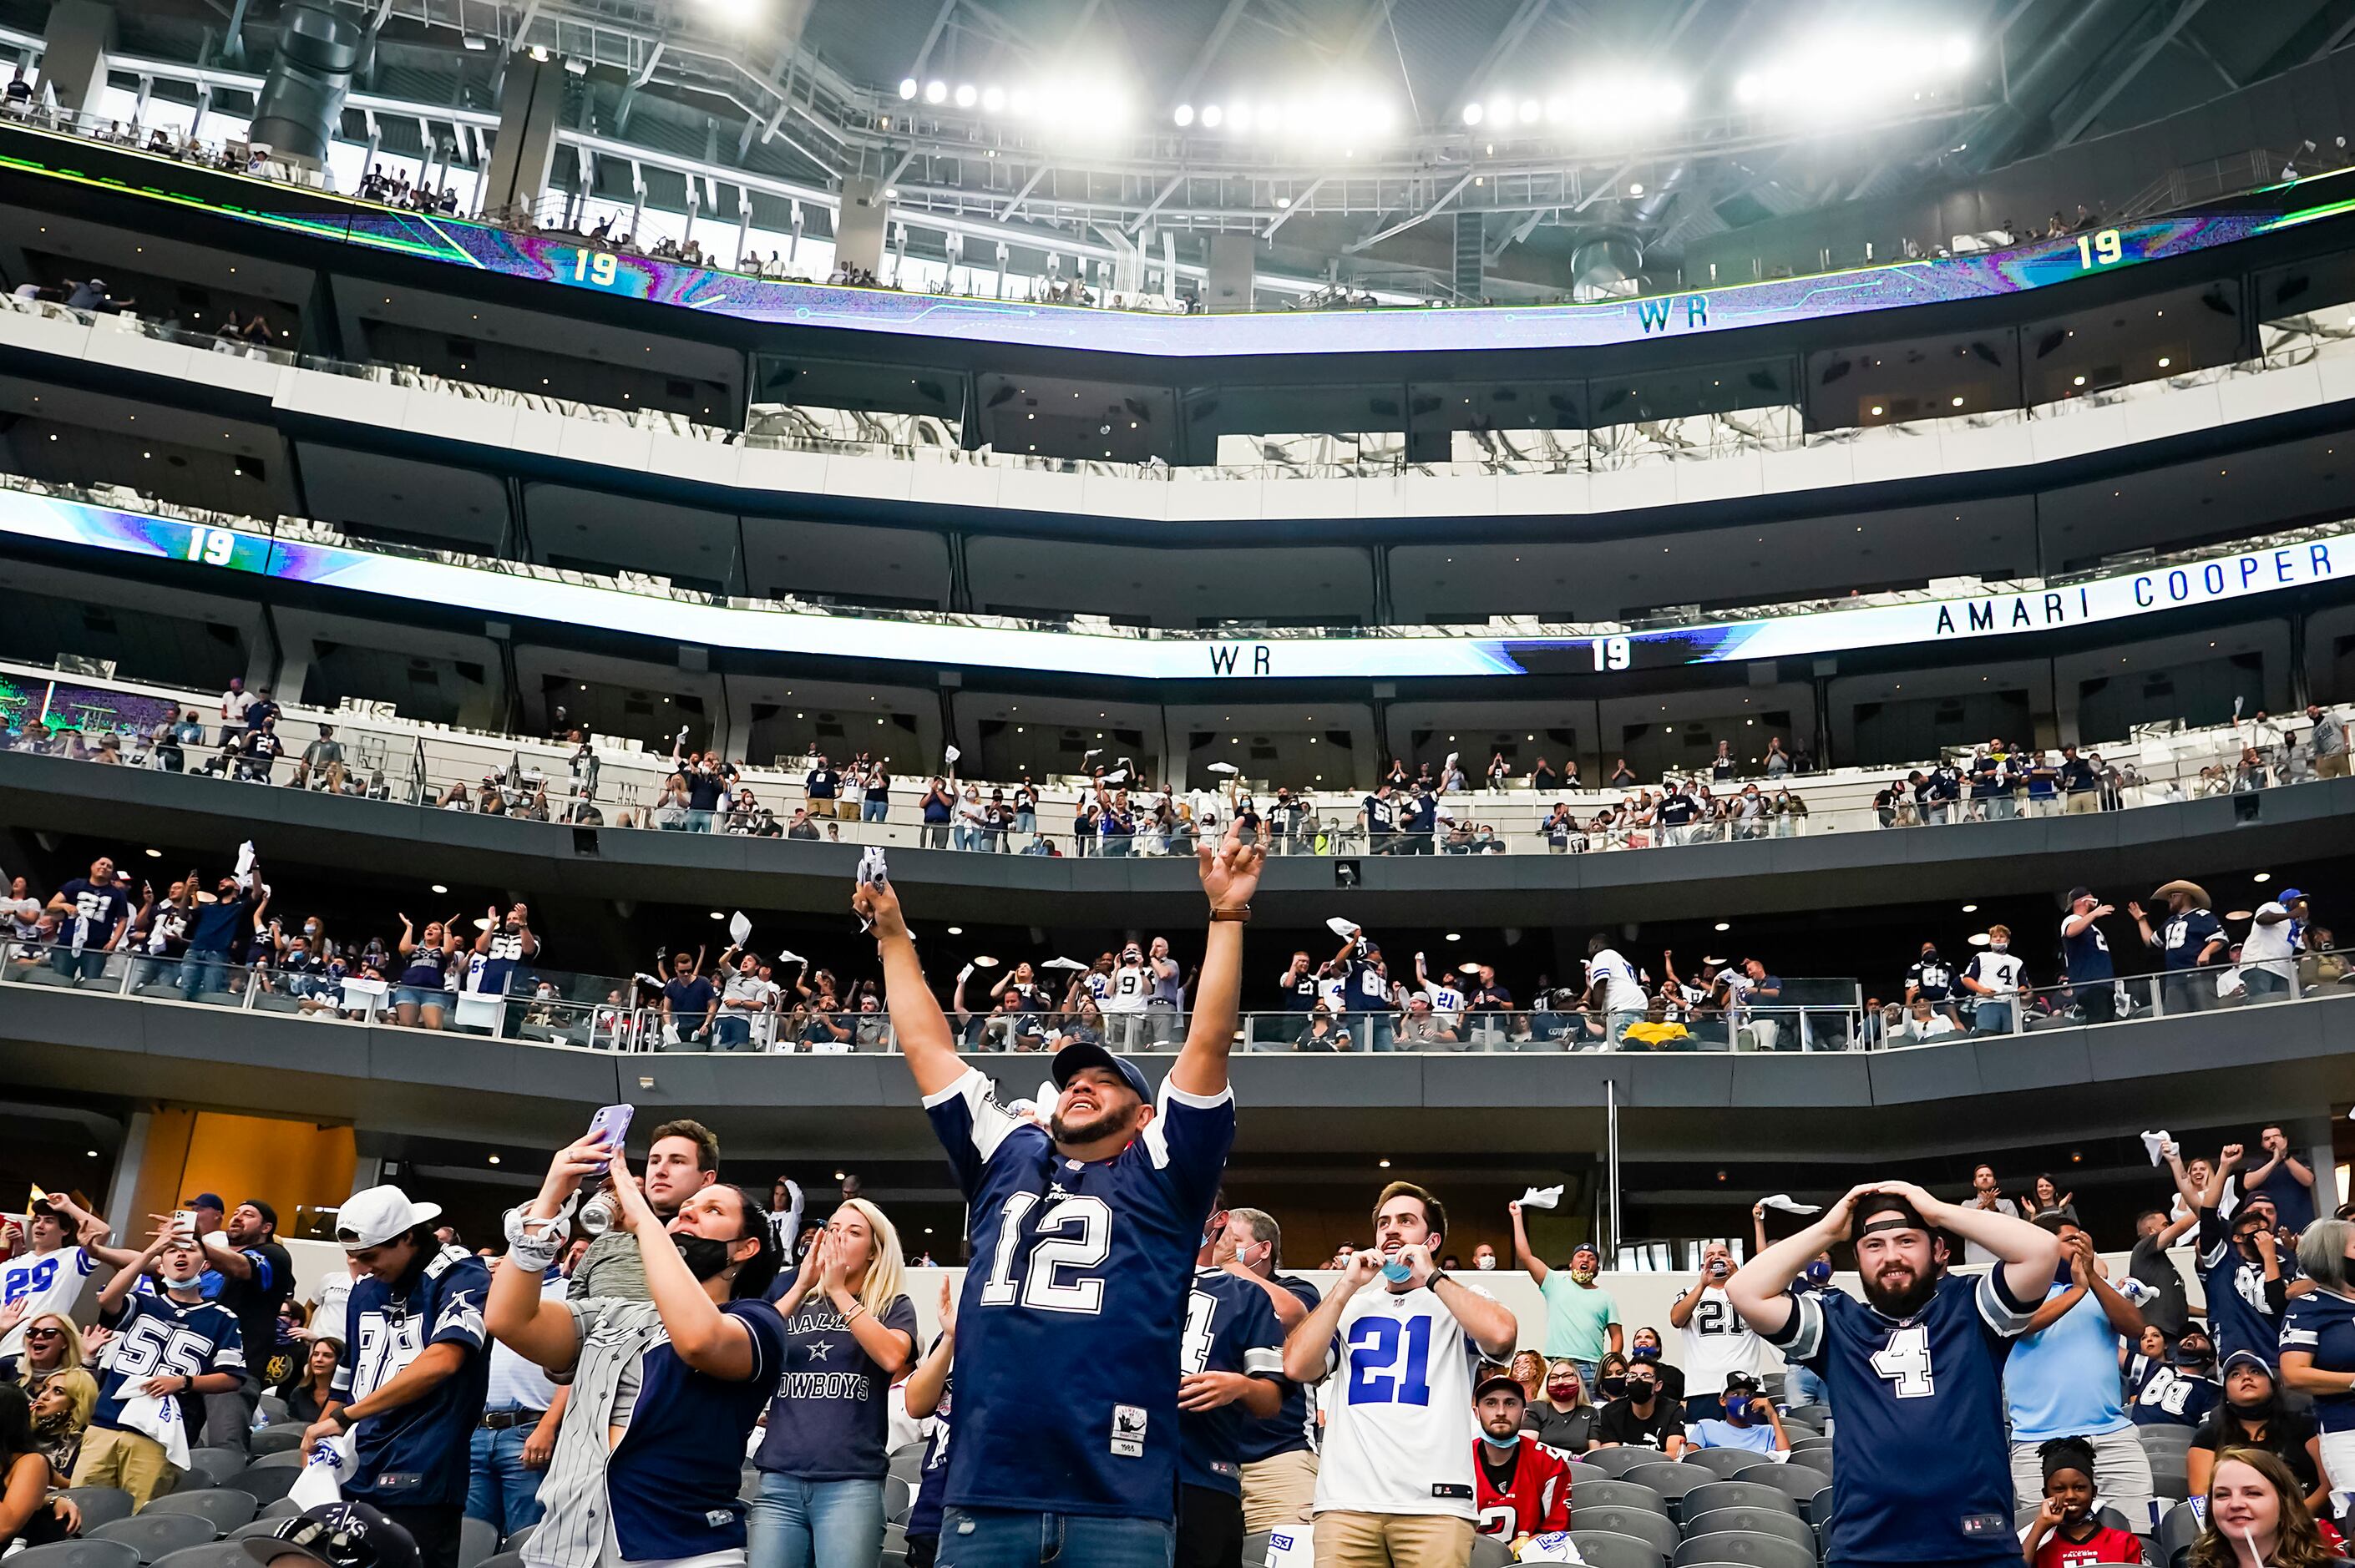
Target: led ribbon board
568,261
1924,623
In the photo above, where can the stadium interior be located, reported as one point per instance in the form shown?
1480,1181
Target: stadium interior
1770,488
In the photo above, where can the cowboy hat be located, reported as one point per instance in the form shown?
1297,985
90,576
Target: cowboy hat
2197,893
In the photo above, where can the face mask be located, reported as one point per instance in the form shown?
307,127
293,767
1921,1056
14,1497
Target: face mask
1737,1409
1483,1264
1563,1391
1641,1389
1613,1387
704,1258
2191,1357
190,1283
312,929
1999,947
1644,1353
2254,1412
1929,955
1582,1275
1818,1273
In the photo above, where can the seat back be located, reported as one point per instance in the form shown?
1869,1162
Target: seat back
1608,1493
478,1541
1641,1524
1751,1551
1716,1495
1602,1549
99,1505
85,1553
224,1507
154,1536
1722,1463
1752,1521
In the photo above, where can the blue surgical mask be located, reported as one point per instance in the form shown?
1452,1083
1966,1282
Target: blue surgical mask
1818,1273
1644,1353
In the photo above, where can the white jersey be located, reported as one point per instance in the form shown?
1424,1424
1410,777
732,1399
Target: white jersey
1718,1342
44,1282
2000,973
1446,1001
1622,992
1131,988
1399,1436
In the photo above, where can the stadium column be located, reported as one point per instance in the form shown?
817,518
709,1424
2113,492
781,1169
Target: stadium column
858,232
1234,258
524,152
74,45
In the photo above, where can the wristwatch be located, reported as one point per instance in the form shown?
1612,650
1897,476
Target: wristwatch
1438,1276
1240,913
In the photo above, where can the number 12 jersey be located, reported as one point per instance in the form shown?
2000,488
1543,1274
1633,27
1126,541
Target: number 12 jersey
1071,1317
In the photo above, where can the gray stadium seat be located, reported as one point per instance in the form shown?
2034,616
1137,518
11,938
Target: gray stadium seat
291,1457
2169,1476
1672,1480
284,1507
1751,1551
1255,1549
748,1488
1796,1481
1814,1416
1580,1473
1652,1529
221,1507
277,1439
478,1541
1722,1463
99,1505
504,1559
899,1497
1752,1521
212,1554
1487,1552
1601,1549
78,1554
2178,1529
1619,1461
264,1525
1714,1495
154,1536
219,1464
908,1463
264,1482
1608,1493
272,1408
1796,1430
514,1542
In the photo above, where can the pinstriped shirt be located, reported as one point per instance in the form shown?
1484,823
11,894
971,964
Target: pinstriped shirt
667,1491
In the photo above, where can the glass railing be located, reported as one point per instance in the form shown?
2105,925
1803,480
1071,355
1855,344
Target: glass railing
1806,1015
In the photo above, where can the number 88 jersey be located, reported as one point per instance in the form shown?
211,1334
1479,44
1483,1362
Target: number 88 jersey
1924,1471
1070,1315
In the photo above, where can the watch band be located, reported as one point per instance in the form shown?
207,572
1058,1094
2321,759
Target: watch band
1240,915
1439,1277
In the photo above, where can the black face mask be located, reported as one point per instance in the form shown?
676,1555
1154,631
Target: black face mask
705,1258
2261,1410
1613,1387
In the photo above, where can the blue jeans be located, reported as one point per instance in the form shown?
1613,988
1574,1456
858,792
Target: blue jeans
2264,985
1004,1537
731,1030
1026,822
873,809
1381,1034
499,1488
1804,1387
1994,1018
815,1524
966,838
700,821
203,971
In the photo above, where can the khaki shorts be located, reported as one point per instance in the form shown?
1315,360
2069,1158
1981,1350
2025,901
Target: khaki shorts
2331,767
1279,1490
1392,1540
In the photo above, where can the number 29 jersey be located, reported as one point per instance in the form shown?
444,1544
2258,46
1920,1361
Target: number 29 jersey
1400,1436
1071,1315
1923,1471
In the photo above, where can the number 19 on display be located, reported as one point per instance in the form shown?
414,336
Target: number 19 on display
595,267
1610,652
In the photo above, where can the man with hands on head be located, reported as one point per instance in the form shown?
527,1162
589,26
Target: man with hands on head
1914,1369
1395,1485
666,1390
1083,1232
166,1346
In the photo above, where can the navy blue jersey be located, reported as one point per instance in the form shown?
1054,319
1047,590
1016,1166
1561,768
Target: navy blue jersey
416,1456
155,1336
932,1483
1293,1428
2086,955
491,970
1931,980
2323,1326
2160,1395
1922,1470
674,1471
98,911
2186,936
1230,1326
2245,1308
1083,1268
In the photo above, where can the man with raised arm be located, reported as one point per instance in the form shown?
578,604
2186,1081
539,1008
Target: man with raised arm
1084,1233
1921,1474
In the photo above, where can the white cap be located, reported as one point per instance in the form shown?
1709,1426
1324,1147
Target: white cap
378,1216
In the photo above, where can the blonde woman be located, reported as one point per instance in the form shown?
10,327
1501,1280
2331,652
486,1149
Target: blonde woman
850,1330
52,1345
62,1414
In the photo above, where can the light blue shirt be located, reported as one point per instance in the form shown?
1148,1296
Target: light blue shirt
2063,1380
1716,1433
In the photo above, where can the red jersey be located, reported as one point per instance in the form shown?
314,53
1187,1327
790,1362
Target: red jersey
1535,1498
2105,1545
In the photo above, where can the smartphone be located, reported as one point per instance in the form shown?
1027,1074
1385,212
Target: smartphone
610,1125
184,1221
870,873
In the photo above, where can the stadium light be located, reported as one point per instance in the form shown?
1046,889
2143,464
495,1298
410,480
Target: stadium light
967,95
993,99
1472,114
1185,115
907,86
1213,116
936,91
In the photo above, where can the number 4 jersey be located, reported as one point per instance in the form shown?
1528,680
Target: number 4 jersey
1400,1436
1924,1472
1071,1317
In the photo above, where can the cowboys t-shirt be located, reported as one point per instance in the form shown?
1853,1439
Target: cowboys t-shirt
831,1413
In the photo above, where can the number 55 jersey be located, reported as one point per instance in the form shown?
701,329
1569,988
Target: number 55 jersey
1400,1436
1923,1471
1072,1314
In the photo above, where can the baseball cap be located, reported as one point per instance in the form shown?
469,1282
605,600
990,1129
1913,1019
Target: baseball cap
377,1215
2247,1359
1892,1212
1497,1381
2077,893
1087,1054
205,1201
2289,895
341,1535
1741,1382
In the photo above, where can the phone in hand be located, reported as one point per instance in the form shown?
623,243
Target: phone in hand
184,1221
611,1126
872,874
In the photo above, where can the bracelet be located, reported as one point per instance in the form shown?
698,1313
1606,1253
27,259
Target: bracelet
1240,915
857,1308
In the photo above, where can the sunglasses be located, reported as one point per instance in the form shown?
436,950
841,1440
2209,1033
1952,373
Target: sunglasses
43,1334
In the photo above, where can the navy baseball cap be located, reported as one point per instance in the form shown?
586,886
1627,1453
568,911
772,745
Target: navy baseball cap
2248,1359
1087,1054
340,1534
207,1201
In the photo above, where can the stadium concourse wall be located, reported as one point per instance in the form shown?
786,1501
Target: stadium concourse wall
2143,847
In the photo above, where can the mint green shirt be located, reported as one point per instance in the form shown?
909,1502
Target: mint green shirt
1578,1317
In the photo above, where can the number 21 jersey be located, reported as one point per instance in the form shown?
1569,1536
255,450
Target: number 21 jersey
1924,1473
1400,1436
1070,1315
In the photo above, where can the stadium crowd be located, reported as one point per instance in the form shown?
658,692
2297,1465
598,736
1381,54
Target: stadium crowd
590,1389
